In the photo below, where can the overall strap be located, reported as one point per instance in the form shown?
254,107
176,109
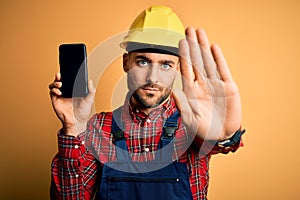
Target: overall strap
119,138
165,151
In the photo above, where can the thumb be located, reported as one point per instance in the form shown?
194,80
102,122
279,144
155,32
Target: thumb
92,91
181,102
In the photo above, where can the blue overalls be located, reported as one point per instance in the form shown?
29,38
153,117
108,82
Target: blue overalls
160,179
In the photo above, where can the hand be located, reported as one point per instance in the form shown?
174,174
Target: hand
72,112
210,103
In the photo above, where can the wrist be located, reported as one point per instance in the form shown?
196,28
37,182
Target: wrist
228,133
74,130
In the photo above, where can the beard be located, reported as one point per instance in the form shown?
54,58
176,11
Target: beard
150,100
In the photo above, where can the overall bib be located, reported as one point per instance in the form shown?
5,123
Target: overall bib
160,179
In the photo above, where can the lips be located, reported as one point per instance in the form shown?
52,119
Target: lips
150,89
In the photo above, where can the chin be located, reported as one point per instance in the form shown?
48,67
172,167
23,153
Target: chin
151,102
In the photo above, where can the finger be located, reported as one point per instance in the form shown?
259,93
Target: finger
186,68
209,64
187,103
56,82
181,102
203,40
222,65
57,77
55,92
55,85
196,56
92,91
91,87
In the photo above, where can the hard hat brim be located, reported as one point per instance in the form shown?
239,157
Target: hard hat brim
150,48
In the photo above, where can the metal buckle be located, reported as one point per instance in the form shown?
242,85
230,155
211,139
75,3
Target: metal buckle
119,135
169,131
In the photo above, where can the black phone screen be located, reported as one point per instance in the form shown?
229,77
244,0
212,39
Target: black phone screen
73,69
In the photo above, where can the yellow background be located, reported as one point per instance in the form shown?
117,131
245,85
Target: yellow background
260,39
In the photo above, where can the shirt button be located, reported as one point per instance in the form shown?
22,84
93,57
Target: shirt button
76,146
76,175
148,120
82,142
147,149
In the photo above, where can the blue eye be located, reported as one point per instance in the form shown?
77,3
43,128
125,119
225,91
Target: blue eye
165,66
142,63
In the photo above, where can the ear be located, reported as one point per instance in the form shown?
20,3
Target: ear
125,62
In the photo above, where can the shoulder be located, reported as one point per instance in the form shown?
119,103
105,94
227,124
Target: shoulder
101,120
102,116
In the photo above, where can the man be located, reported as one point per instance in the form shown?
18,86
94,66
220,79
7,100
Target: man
209,106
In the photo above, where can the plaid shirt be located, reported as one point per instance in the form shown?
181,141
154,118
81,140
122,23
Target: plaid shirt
76,169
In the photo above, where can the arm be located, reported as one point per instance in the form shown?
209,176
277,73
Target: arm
74,170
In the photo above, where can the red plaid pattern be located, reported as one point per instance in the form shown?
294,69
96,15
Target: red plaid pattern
77,166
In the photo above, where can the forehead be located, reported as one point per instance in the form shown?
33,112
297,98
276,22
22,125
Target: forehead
154,57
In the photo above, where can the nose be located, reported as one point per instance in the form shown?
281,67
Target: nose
152,75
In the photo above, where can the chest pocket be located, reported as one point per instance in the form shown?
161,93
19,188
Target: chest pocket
160,179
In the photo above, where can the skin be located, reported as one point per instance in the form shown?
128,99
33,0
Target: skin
150,78
213,108
209,102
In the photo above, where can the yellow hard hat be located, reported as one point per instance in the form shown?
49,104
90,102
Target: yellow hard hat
158,27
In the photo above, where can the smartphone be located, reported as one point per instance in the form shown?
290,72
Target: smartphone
73,69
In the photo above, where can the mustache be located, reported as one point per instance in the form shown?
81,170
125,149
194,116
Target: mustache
152,85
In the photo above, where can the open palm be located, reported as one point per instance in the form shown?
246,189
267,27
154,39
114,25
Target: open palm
210,102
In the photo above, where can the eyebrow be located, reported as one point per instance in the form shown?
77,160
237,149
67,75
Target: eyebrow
144,58
150,61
